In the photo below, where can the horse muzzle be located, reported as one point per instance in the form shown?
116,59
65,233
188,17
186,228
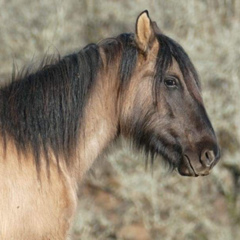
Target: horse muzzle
195,165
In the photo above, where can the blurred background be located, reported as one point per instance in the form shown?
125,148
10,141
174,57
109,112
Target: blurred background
119,199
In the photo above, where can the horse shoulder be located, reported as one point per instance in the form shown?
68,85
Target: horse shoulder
32,206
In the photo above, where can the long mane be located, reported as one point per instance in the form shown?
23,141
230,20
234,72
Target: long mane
43,111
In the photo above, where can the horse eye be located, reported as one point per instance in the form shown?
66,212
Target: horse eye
170,82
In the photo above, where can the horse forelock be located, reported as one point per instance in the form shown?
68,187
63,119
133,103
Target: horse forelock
169,50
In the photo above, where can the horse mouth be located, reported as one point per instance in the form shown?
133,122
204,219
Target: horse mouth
186,168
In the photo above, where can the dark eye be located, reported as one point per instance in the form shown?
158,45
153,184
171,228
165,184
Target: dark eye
171,82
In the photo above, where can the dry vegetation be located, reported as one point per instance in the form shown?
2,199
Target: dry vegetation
122,200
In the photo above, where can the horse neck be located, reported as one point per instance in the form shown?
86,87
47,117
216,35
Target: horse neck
101,119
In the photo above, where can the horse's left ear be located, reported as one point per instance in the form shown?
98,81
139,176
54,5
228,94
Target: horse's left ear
144,31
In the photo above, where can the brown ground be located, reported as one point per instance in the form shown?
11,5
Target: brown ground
121,200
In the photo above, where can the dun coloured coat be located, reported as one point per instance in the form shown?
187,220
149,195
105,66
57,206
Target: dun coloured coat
56,121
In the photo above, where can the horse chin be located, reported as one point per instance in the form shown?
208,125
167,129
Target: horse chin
185,168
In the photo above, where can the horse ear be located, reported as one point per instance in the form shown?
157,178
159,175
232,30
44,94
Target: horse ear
144,31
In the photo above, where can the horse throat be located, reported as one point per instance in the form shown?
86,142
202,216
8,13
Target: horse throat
101,119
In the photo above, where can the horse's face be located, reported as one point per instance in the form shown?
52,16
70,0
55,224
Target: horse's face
162,109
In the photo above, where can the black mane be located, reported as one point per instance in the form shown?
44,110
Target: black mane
43,111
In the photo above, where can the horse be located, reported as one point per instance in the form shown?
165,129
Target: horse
57,120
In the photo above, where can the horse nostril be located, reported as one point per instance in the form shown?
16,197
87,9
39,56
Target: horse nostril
207,158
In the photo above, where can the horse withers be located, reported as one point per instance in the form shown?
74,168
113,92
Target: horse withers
54,122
